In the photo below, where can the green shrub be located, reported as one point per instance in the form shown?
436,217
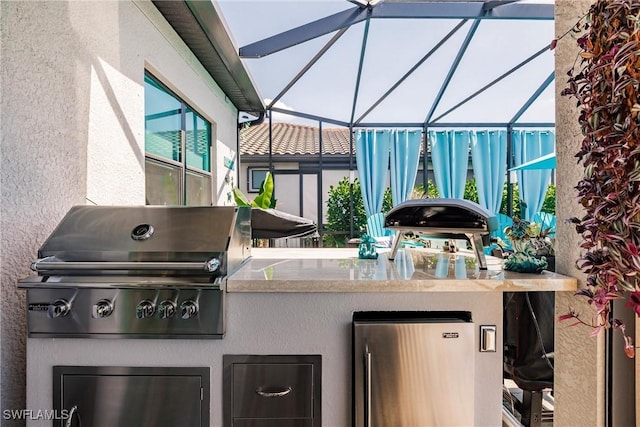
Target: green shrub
338,212
432,191
549,204
516,201
470,190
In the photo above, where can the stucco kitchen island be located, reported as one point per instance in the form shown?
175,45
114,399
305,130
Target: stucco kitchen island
316,291
301,302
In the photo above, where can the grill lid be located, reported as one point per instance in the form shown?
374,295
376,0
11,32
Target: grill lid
148,238
443,218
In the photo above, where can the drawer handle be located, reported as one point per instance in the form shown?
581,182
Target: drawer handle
72,412
278,393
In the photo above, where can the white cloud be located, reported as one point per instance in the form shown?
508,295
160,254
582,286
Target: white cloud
281,117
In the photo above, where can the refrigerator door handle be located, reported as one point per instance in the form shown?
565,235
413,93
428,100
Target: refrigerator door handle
367,387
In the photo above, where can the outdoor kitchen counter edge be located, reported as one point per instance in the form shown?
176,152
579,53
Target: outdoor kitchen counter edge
414,270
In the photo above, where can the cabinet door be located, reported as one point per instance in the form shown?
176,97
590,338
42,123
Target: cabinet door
133,397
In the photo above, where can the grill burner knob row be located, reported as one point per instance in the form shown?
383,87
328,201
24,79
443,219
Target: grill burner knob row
59,308
167,309
188,309
102,309
145,309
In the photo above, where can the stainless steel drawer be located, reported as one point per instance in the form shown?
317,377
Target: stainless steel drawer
274,390
273,422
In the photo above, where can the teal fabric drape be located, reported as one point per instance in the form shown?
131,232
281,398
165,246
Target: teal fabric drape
489,160
532,184
405,156
372,162
450,156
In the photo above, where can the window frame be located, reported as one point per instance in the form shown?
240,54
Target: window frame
182,165
251,188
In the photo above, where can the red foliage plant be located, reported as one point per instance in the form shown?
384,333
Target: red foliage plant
606,83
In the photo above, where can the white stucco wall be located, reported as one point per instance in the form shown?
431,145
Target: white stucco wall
579,362
227,161
72,132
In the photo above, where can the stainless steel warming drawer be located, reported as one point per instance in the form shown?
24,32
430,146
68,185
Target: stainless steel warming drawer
272,390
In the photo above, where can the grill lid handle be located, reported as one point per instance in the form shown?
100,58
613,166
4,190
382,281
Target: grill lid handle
53,264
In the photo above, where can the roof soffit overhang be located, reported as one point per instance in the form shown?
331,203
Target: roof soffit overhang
200,26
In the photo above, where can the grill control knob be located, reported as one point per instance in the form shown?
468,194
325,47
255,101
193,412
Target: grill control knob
102,309
167,309
59,308
188,309
145,308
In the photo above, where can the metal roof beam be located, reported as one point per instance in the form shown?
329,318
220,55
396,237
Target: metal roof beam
505,9
408,10
306,68
365,36
309,116
452,70
533,97
304,33
455,125
371,3
414,68
488,85
511,10
428,10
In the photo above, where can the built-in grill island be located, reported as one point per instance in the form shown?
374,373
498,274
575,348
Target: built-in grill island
443,219
137,272
279,302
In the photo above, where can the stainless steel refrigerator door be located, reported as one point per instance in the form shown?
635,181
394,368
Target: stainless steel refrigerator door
414,374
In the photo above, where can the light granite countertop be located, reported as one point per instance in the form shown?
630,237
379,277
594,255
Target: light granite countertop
413,270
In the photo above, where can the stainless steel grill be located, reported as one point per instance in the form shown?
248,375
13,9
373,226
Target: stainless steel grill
137,272
444,219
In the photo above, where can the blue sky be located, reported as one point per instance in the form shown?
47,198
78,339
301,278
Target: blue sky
393,47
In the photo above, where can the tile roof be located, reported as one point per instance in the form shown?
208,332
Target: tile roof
293,139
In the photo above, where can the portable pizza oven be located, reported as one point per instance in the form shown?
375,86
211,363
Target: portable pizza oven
137,272
444,219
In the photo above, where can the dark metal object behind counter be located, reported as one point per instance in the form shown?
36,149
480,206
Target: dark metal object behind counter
443,219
